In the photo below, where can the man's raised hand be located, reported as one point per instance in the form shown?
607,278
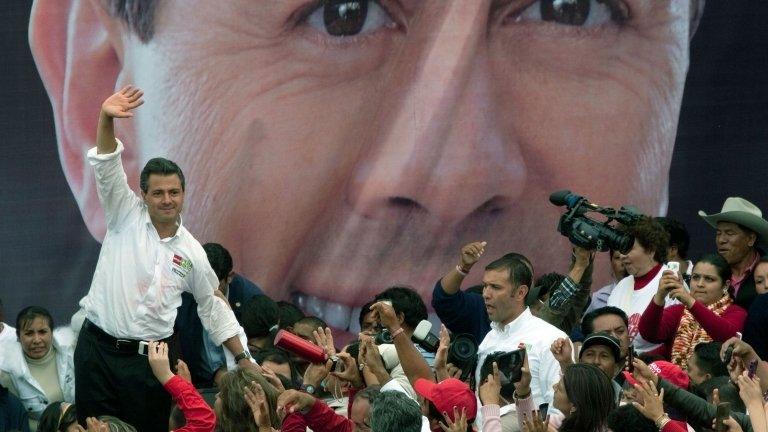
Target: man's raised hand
470,254
120,104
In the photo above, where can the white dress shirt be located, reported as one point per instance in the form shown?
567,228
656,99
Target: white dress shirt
139,277
537,335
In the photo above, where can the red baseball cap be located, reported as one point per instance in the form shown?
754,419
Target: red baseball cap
669,371
447,394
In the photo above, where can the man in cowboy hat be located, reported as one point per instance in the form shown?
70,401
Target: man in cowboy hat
740,225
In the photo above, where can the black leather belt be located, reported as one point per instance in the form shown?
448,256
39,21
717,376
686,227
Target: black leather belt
127,345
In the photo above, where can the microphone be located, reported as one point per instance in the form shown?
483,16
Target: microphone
570,200
423,337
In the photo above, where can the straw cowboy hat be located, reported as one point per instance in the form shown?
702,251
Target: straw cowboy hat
740,211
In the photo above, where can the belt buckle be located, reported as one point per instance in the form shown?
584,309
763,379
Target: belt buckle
119,341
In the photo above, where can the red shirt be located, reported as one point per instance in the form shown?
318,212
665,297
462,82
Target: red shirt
200,417
659,325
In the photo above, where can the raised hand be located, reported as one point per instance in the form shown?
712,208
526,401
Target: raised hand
653,403
182,370
667,284
158,361
490,390
324,338
441,356
120,104
371,357
257,401
535,424
292,400
749,389
470,254
316,373
273,379
562,350
386,315
350,372
459,424
523,387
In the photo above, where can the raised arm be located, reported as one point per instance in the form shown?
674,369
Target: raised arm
413,363
470,254
119,105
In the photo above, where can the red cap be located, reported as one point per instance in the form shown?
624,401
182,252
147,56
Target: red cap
447,394
669,371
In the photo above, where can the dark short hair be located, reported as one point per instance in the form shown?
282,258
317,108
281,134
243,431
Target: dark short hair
651,236
159,166
312,321
138,15
587,322
369,393
627,418
547,283
394,411
28,314
708,359
519,267
678,234
720,264
276,355
260,316
54,420
289,314
219,258
407,301
365,310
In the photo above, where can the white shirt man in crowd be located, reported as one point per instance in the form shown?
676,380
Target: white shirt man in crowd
506,282
147,259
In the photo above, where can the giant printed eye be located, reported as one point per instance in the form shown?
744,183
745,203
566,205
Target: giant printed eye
585,13
341,18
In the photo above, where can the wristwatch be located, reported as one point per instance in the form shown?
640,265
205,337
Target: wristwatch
243,355
308,388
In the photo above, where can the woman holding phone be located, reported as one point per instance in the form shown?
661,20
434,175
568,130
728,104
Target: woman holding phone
704,314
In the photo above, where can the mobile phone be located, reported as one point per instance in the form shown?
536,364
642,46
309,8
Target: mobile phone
675,267
723,412
728,355
510,366
143,348
630,359
543,408
752,368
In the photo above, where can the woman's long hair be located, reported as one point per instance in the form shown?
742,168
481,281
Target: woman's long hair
236,415
590,391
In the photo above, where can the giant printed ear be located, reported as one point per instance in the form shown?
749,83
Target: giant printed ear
77,47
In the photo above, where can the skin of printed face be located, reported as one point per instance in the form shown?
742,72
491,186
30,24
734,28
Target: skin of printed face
336,167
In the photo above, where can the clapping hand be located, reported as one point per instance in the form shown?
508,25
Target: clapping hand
257,401
120,104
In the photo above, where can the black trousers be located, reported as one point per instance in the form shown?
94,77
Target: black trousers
118,382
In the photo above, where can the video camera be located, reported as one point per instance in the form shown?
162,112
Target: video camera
590,233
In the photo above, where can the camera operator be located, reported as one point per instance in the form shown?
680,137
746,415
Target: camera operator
644,264
569,299
410,310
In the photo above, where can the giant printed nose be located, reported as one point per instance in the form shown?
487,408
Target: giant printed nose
443,153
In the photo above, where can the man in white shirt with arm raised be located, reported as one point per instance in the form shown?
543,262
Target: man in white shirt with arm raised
506,282
147,259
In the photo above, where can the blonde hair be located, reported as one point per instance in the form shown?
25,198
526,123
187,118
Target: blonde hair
236,415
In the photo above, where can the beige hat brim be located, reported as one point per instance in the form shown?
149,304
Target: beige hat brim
748,220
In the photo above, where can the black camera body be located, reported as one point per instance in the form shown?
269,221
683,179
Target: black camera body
462,353
590,233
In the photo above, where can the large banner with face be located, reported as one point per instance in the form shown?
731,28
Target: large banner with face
339,147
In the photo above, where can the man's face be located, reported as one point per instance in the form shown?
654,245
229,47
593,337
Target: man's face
502,300
360,414
602,357
36,338
695,373
614,325
617,266
164,198
310,150
761,278
370,324
734,243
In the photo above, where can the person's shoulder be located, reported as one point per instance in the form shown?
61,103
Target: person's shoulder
11,356
545,332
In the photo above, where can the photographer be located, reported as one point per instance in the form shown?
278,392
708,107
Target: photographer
410,310
644,264
569,299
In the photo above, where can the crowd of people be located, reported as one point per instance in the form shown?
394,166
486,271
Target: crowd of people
169,337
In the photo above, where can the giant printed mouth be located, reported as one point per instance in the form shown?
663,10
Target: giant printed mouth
339,316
